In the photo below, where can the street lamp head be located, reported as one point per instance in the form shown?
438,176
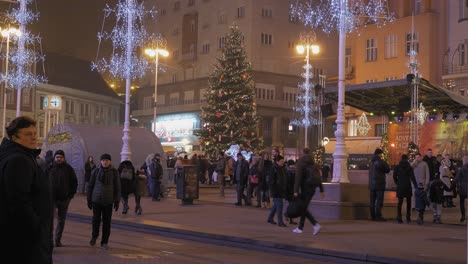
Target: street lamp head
11,31
153,52
150,52
163,52
300,49
315,49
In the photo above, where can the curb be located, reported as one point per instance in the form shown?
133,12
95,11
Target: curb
259,243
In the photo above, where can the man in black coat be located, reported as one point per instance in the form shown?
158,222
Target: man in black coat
26,206
403,175
64,184
377,181
307,190
241,174
431,163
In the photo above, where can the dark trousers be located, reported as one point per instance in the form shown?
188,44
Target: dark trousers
251,189
156,188
240,193
104,212
306,197
62,209
278,209
408,207
125,201
462,205
376,203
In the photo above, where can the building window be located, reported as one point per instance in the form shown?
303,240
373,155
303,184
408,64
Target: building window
41,129
10,96
26,97
203,95
174,77
188,97
379,130
163,12
348,58
267,12
371,81
371,50
463,9
191,2
147,102
266,39
175,31
391,44
222,19
192,26
267,129
462,92
462,53
291,44
41,102
293,19
175,54
414,41
417,7
82,110
206,48
290,96
391,78
174,99
177,5
241,11
161,99
352,128
221,42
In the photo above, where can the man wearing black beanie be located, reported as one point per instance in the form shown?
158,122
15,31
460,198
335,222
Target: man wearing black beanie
377,170
104,192
64,184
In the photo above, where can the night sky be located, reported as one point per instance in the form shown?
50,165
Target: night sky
68,27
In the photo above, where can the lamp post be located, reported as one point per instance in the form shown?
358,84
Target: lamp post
6,33
309,45
155,52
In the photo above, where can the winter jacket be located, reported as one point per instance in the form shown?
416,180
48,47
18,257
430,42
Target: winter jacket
278,183
461,180
155,170
127,186
300,180
64,181
432,166
26,206
104,186
377,170
243,174
436,191
403,176
89,167
421,173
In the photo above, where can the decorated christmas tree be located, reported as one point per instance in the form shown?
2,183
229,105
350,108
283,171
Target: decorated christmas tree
384,147
230,115
412,150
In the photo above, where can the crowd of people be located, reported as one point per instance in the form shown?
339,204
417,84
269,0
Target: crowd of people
32,190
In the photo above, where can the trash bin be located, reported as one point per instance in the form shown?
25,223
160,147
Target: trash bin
187,183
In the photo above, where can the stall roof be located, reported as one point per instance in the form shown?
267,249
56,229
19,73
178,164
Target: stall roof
385,97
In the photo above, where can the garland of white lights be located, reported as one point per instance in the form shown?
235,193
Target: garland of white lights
117,64
325,14
421,114
24,55
363,125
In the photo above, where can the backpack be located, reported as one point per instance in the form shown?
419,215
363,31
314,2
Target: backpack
126,174
312,176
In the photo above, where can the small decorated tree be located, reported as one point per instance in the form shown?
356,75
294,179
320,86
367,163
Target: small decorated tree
384,146
412,150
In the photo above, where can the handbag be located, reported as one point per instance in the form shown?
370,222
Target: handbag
296,208
253,179
215,176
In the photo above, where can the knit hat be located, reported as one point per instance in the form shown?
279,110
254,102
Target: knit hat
378,151
59,152
106,156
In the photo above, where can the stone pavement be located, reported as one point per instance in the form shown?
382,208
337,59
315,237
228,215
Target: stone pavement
217,219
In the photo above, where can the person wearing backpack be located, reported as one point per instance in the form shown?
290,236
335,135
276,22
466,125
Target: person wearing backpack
307,180
155,170
128,182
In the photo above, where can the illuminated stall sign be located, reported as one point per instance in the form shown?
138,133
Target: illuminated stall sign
175,127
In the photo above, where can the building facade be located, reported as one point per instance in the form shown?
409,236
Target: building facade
195,31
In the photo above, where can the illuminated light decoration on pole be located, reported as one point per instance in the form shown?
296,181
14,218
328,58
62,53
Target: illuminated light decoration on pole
346,16
308,107
413,79
421,114
363,125
20,74
125,62
158,47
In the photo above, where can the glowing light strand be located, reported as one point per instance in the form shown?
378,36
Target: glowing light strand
421,114
325,14
23,56
117,65
363,125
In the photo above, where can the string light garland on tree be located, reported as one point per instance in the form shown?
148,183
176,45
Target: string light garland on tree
230,112
412,150
384,147
319,157
421,114
363,125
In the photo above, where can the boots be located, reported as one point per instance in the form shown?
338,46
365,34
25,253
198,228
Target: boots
420,219
125,206
138,210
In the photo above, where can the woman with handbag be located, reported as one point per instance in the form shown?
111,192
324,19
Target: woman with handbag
128,183
254,180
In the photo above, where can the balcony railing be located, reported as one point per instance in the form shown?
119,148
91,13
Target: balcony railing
454,69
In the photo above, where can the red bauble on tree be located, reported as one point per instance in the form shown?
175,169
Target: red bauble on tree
244,76
219,138
218,114
220,94
222,76
244,115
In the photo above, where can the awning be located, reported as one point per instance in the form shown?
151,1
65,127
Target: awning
384,97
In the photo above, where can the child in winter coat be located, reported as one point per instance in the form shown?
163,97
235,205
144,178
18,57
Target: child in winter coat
436,196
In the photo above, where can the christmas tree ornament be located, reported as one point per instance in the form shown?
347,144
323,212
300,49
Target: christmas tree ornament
228,107
220,94
218,114
244,115
219,138
232,134
222,76
363,125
